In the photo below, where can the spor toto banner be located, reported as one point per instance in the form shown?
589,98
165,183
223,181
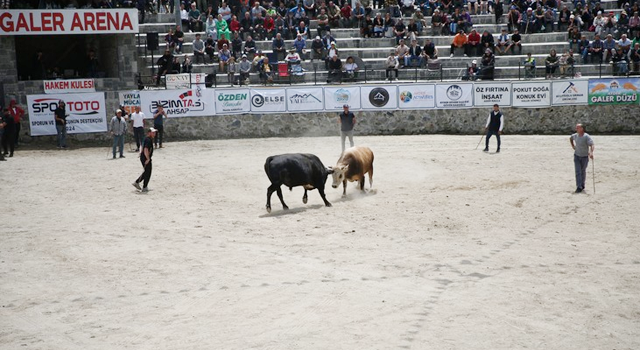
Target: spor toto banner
268,100
570,92
59,22
178,103
336,97
416,96
379,97
305,99
613,91
454,95
69,85
232,101
85,113
531,94
488,94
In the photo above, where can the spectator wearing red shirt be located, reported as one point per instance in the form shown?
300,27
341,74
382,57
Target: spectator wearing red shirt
16,113
235,24
474,47
269,27
345,11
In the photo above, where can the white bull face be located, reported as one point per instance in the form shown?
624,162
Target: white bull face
339,174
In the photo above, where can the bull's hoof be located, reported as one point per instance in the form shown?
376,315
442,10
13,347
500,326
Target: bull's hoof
328,204
285,207
268,208
304,199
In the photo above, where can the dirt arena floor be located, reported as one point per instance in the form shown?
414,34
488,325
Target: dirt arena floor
453,248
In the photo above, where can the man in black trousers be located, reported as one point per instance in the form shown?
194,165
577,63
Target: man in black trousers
495,123
145,159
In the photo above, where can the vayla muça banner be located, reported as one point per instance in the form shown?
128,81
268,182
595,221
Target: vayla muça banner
85,113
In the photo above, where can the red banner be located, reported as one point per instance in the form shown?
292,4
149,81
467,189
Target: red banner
43,22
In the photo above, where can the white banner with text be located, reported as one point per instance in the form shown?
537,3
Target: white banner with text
71,21
85,113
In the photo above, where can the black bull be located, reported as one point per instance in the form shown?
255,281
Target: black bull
295,169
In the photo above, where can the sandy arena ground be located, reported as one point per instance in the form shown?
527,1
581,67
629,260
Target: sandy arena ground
452,249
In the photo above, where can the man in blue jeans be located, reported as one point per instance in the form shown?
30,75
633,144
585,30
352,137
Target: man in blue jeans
158,124
347,121
583,146
118,128
495,123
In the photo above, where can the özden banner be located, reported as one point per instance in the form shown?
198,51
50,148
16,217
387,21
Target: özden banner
86,113
614,91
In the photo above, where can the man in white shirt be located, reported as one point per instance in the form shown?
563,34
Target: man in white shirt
138,127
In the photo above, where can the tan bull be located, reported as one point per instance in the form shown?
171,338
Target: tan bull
352,165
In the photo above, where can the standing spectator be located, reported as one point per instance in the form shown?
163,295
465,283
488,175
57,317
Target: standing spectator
278,47
16,113
198,49
347,121
195,23
551,64
38,67
392,65
118,128
145,159
137,119
9,132
460,42
92,64
164,65
583,147
245,69
158,124
60,115
495,123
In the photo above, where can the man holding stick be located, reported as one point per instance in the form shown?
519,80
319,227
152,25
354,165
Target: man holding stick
495,123
145,159
583,146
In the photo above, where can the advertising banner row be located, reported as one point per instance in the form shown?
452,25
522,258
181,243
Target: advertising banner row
200,101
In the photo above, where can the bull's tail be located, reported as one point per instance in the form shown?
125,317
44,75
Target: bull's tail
267,164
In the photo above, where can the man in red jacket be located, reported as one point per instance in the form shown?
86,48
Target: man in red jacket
16,112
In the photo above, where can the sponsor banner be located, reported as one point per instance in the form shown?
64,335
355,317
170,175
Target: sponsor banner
491,93
179,103
614,91
379,97
531,94
85,113
570,92
184,81
232,101
129,100
454,95
336,97
305,100
60,22
416,96
269,100
68,86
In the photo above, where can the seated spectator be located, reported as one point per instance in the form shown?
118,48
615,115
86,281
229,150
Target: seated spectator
516,41
335,70
292,57
610,24
438,21
223,28
513,19
392,65
223,57
563,18
503,42
574,38
236,45
323,22
498,10
487,41
198,49
357,16
278,47
222,42
245,70
608,47
399,31
459,41
280,26
455,20
257,60
401,52
473,7
175,66
419,20
389,24
528,23
634,57
465,22
488,63
472,71
529,67
367,27
249,47
412,30
178,39
429,51
210,29
538,14
350,69
335,15
622,24
549,20
259,32
264,70
300,44
234,25
184,16
246,25
327,39
333,51
257,10
187,65
583,48
634,25
625,44
575,22
317,49
303,30
620,62
596,49
164,64
210,48
225,11
413,55
474,44
168,40
567,63
346,14
598,23
195,23
378,26
551,64
269,27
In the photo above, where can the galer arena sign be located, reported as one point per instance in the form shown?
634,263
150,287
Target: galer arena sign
68,86
43,22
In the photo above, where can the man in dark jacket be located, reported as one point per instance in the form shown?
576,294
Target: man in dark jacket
495,123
